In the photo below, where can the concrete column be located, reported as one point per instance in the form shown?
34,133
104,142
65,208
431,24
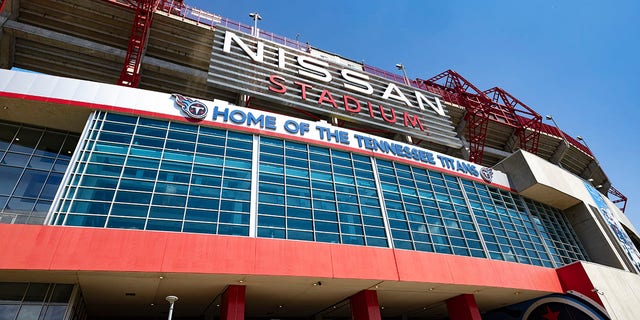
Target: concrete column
233,301
364,305
463,307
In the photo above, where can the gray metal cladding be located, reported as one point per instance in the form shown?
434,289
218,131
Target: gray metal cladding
326,84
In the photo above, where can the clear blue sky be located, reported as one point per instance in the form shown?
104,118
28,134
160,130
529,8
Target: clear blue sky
575,60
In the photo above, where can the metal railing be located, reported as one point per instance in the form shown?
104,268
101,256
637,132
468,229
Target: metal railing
211,20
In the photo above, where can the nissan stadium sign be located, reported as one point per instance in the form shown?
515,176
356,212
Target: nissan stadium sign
302,80
224,115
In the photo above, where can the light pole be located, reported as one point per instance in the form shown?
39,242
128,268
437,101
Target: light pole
581,139
549,117
255,16
564,139
172,300
400,66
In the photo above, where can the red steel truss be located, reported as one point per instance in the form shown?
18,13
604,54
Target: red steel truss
513,112
130,74
620,198
456,89
481,106
2,3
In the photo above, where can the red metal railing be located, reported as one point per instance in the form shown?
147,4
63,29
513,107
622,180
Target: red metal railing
204,18
384,74
618,198
495,116
552,130
2,3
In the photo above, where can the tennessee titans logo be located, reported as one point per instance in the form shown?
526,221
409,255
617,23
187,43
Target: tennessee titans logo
191,107
486,174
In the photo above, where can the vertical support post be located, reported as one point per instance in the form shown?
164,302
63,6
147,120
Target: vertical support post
364,305
463,307
233,301
2,3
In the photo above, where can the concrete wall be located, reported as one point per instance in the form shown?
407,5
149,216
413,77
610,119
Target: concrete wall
540,180
593,236
619,290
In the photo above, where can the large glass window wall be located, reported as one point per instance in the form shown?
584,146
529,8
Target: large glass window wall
556,232
427,211
32,163
507,229
313,193
45,301
140,173
150,174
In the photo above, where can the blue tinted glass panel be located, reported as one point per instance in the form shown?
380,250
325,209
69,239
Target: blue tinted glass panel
126,223
164,225
201,215
233,230
166,212
153,132
85,221
41,163
271,233
199,227
129,210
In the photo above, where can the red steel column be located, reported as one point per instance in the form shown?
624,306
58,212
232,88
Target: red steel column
364,305
233,300
463,307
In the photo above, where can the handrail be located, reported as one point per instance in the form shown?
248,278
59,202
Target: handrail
205,18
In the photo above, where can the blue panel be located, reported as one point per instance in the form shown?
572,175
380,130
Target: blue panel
269,221
31,183
129,210
166,213
85,221
233,230
153,132
164,225
299,235
203,203
271,233
201,215
199,227
126,223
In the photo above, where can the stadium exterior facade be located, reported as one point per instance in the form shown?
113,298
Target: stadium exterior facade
261,179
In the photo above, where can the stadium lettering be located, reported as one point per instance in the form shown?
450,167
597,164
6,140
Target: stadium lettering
348,103
395,149
247,118
316,69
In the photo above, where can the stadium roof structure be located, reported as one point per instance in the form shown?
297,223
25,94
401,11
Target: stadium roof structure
166,46
91,40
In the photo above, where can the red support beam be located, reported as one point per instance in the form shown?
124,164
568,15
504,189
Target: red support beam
2,3
364,305
233,301
619,198
463,307
456,89
130,74
511,111
172,6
